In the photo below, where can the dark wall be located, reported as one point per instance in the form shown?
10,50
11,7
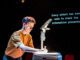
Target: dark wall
64,40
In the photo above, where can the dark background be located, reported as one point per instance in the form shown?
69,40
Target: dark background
61,38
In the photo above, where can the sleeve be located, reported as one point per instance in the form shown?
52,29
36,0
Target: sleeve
31,43
16,39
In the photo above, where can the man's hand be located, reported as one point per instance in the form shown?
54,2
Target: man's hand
44,50
40,51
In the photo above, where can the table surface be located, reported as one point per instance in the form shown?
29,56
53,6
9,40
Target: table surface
49,53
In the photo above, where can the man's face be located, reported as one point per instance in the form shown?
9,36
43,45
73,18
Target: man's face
28,27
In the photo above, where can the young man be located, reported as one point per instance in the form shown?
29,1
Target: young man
21,40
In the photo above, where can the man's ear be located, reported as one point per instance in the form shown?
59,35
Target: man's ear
24,24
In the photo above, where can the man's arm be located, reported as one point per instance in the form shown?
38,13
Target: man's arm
28,49
19,44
